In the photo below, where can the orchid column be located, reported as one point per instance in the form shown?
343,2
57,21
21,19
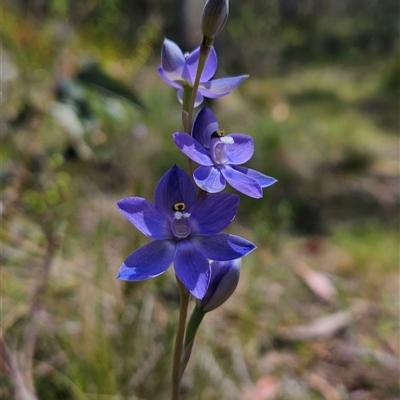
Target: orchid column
185,221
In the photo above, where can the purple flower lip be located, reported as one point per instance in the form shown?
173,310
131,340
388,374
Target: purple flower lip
180,72
220,157
185,230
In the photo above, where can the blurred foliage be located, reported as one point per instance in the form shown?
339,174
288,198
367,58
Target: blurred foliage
310,32
278,33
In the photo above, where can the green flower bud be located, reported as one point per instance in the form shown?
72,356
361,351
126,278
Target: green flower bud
215,14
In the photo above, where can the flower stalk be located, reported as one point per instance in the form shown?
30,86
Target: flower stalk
188,215
189,95
193,325
205,49
178,349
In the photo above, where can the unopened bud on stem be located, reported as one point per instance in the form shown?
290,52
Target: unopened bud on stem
215,14
223,282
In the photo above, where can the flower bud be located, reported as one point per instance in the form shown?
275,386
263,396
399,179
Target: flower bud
223,282
215,14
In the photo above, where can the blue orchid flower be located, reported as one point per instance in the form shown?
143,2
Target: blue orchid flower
180,72
186,231
219,156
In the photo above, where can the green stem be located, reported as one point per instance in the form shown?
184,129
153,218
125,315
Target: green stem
191,330
184,303
205,49
189,98
189,94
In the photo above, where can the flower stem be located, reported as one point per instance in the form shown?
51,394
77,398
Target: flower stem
184,303
191,330
189,98
205,49
189,93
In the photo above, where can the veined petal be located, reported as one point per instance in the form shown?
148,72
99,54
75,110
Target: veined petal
205,124
174,187
145,217
190,69
148,261
220,87
192,148
241,150
192,268
198,101
166,80
209,178
223,247
242,182
263,180
213,213
172,60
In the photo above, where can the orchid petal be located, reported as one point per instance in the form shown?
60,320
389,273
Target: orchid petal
164,77
192,148
242,182
190,69
145,217
209,178
220,87
204,125
172,60
241,150
148,261
212,214
192,268
263,180
174,187
223,247
210,67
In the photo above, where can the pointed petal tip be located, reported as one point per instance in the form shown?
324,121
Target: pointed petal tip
169,42
198,293
252,247
121,275
120,204
270,183
220,87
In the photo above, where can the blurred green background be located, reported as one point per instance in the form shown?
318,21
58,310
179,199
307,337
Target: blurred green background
86,121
